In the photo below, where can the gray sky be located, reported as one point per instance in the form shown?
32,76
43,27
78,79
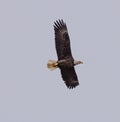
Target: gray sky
29,92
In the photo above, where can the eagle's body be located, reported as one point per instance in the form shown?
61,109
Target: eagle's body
65,61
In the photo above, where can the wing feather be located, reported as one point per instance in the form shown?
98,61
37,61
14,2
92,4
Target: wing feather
62,40
70,77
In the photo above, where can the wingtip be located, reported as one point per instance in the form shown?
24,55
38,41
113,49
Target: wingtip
59,24
72,85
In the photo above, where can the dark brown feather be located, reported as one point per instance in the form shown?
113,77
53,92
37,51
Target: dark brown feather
62,40
70,77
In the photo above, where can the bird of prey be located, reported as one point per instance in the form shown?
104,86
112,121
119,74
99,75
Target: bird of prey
65,60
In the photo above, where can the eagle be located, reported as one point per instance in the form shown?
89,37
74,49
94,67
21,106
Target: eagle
65,60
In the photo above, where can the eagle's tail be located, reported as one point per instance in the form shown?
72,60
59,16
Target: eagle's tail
52,64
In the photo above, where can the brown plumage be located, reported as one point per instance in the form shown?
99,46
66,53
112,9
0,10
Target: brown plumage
65,61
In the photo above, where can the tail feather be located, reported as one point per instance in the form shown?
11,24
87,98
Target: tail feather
52,64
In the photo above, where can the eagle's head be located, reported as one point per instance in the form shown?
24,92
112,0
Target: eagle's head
78,62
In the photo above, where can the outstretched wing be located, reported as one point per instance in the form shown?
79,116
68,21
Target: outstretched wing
62,40
70,77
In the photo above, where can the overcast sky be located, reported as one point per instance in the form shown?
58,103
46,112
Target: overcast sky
29,92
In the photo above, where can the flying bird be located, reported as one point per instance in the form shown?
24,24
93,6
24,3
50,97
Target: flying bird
65,60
